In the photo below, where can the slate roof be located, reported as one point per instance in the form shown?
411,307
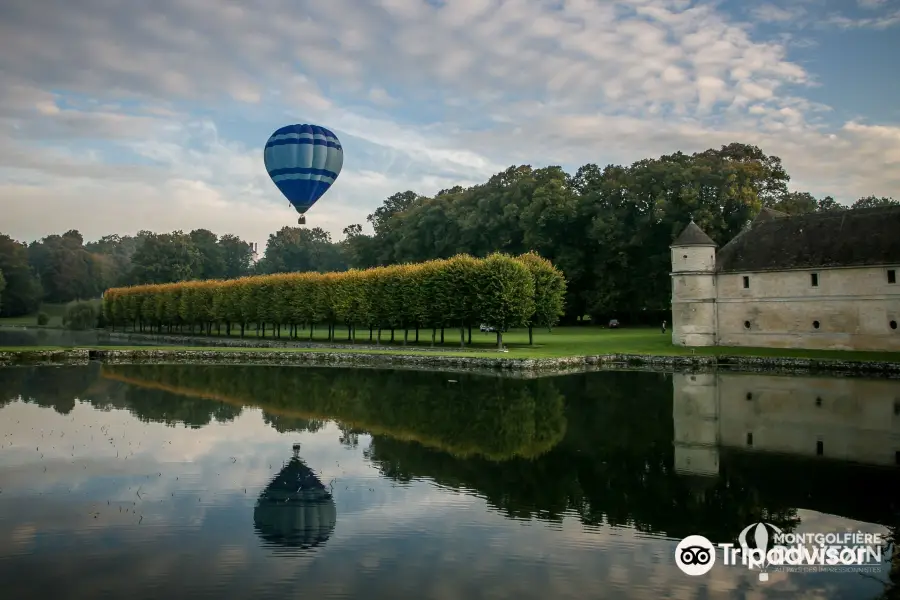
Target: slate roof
693,236
767,214
839,238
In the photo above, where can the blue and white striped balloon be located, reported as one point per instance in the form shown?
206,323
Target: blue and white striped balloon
304,161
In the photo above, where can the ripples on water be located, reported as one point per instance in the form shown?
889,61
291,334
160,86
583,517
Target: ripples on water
143,481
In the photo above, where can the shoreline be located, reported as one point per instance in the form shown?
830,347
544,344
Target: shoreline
525,367
251,341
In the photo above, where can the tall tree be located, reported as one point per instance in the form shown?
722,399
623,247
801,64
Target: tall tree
298,249
873,202
165,258
114,254
66,269
22,294
212,259
394,205
796,203
236,256
358,249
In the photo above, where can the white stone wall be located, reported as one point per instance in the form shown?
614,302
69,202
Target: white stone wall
688,259
693,295
693,286
853,308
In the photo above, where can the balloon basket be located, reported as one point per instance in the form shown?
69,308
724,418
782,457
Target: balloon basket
301,220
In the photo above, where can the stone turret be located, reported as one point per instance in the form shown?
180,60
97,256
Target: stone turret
693,288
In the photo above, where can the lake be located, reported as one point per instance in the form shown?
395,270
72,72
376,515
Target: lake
182,481
38,336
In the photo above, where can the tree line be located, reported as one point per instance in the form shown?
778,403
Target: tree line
460,292
63,268
607,229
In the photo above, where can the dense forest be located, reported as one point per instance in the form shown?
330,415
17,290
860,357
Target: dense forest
608,229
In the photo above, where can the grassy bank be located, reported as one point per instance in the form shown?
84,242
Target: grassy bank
54,313
562,342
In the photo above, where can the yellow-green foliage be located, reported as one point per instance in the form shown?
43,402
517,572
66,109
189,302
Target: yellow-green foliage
500,290
549,290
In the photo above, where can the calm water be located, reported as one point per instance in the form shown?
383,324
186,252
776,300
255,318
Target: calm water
35,336
140,481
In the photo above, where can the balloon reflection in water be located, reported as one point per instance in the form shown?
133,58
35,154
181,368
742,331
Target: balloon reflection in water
295,511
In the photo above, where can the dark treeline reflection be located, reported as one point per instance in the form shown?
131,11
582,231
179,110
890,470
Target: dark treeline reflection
597,446
461,414
615,466
59,387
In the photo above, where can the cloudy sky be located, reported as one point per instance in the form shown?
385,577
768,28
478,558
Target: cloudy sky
119,116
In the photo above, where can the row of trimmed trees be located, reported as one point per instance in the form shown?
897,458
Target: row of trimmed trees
461,292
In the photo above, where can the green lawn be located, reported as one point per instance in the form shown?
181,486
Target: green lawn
563,341
54,311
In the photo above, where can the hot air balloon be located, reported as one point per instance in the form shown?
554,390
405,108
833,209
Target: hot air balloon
303,161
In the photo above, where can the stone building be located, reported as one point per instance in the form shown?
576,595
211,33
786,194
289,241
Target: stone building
828,280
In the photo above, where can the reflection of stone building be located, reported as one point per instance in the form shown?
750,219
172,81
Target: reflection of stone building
295,510
823,280
845,419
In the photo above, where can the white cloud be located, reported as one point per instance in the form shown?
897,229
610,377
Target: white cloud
770,13
153,116
884,21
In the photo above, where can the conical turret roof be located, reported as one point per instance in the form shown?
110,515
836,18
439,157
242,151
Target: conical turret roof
693,236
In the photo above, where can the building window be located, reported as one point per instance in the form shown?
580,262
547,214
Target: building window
893,324
746,282
746,324
818,400
749,396
749,438
892,276
814,279
816,324
820,448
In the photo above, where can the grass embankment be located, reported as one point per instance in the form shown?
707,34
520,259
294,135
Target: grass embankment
54,313
562,342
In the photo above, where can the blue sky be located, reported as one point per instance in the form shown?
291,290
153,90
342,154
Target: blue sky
116,117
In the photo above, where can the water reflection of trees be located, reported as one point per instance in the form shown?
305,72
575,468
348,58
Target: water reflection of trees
50,387
59,387
615,466
605,455
495,417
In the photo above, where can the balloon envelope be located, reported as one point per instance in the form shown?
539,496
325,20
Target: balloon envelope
303,161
